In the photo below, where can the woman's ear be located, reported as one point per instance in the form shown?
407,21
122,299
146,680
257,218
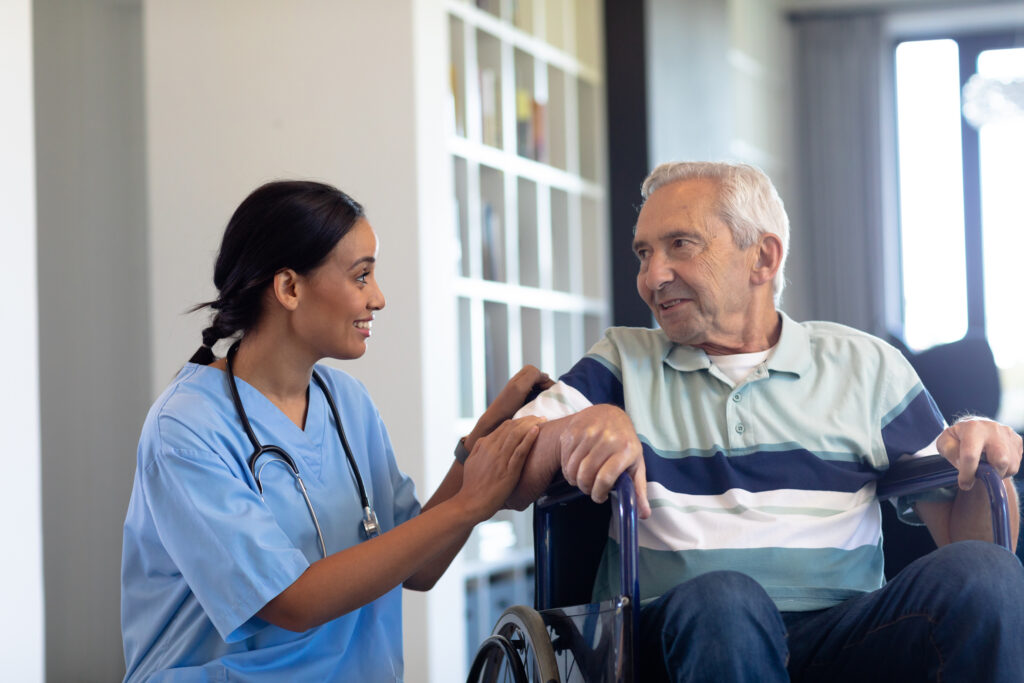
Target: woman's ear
769,258
286,288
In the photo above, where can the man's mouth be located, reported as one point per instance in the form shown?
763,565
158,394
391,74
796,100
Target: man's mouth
665,305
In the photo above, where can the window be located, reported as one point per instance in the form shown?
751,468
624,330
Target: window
960,128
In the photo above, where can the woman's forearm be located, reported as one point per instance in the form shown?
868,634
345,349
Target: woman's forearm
351,578
427,575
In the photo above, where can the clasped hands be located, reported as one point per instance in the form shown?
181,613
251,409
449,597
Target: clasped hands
591,447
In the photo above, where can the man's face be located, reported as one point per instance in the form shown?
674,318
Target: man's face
692,275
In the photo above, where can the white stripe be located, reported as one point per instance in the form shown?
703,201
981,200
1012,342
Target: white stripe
557,401
739,519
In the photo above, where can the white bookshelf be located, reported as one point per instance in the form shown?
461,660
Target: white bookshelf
527,153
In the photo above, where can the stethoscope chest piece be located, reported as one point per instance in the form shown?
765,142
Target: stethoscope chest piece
371,527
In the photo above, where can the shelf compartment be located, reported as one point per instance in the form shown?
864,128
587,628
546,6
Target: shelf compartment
496,351
593,244
529,240
467,404
562,253
488,53
460,215
492,225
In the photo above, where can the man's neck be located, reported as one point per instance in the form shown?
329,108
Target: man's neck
753,334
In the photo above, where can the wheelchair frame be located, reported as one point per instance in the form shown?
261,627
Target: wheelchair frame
581,630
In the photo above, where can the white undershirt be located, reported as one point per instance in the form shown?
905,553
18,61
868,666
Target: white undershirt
737,366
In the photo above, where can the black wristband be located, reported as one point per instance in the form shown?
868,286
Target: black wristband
461,452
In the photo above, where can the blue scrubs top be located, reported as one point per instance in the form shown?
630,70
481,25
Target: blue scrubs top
203,553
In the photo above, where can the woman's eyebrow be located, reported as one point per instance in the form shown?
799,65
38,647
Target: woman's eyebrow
366,259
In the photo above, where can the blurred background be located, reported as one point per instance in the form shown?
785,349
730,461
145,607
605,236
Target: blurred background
499,147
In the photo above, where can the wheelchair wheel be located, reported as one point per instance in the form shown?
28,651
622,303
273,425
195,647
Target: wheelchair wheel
525,630
497,660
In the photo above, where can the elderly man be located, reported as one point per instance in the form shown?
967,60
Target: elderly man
757,441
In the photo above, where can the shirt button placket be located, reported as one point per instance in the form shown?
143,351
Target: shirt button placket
734,418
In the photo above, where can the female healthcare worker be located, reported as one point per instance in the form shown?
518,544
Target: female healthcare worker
263,540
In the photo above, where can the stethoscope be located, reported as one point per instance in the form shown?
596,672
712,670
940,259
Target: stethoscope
370,526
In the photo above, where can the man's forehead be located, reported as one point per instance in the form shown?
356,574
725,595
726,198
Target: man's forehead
670,214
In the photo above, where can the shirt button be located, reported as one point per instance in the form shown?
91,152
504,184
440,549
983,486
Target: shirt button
739,429
737,397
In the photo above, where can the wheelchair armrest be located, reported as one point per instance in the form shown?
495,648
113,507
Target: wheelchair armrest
624,496
916,475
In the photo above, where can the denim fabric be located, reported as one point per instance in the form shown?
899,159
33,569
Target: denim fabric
956,614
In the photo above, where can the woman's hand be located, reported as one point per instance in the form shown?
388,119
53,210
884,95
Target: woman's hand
493,467
509,401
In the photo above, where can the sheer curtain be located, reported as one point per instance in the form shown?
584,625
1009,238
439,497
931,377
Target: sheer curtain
841,62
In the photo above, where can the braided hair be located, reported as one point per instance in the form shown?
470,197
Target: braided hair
283,224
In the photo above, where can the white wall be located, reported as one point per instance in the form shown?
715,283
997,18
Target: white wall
719,87
21,629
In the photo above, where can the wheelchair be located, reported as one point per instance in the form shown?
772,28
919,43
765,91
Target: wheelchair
566,638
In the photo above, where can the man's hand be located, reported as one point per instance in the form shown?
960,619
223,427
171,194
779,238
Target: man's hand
968,440
596,446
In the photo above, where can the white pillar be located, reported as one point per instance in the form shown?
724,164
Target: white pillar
21,573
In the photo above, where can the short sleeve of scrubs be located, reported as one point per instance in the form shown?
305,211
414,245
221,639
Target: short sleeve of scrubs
227,546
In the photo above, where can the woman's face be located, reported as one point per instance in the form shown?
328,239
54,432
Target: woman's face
338,297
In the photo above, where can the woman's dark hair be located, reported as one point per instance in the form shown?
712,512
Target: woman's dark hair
283,224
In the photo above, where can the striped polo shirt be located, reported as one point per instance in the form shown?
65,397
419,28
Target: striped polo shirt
773,476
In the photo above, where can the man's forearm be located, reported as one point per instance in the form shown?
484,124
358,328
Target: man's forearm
971,516
542,464
968,516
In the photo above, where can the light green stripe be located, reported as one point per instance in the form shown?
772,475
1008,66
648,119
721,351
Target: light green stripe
902,405
740,509
796,579
834,456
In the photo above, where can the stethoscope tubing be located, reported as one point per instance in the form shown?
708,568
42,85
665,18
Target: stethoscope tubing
370,525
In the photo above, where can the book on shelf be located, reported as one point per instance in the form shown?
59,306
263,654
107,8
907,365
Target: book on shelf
489,109
456,119
524,124
540,131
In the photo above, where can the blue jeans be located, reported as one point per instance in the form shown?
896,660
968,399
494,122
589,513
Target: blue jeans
956,614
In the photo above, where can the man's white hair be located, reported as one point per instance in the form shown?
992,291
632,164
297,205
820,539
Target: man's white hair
747,202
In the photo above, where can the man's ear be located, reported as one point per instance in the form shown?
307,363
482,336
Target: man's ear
769,258
286,288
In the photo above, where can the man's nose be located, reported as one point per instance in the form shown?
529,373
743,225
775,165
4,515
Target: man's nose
659,273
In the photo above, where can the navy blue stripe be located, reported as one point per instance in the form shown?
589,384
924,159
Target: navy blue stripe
758,471
914,428
595,381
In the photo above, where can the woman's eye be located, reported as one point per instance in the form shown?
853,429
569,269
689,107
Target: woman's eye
362,278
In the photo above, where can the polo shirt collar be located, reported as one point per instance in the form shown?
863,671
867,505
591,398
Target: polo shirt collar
792,353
